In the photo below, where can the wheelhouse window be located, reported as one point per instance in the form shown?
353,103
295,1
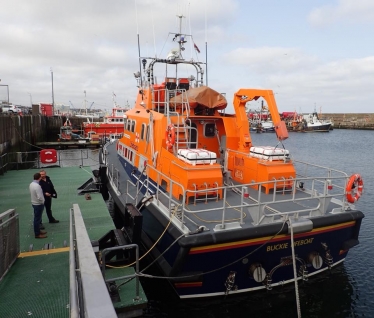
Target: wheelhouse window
125,123
133,126
142,133
147,135
210,130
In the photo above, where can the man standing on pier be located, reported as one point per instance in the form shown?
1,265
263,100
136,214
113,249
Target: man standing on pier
49,192
37,202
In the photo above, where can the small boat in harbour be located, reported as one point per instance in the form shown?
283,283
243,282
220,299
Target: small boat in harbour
263,126
68,133
111,126
307,123
217,214
314,123
260,120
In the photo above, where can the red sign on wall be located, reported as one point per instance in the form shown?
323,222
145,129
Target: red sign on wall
48,156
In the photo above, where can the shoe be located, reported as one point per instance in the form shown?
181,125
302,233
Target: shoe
42,227
41,236
43,232
54,221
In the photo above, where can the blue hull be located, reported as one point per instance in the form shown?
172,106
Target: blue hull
204,269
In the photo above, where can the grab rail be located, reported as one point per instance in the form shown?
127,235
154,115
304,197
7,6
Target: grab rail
329,184
31,159
89,295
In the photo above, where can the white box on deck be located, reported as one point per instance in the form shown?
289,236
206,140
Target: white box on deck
269,153
197,156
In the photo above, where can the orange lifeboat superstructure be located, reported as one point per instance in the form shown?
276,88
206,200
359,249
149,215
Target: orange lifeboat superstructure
182,132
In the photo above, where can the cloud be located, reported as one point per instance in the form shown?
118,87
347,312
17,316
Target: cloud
92,45
270,60
299,79
345,10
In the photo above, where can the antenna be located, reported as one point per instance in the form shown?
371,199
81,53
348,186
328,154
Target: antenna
206,48
180,35
137,32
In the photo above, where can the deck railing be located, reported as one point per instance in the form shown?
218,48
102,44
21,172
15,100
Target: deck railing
314,194
32,160
9,240
89,295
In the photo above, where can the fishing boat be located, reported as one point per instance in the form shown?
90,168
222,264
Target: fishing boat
215,213
68,133
260,120
110,128
314,123
308,123
262,126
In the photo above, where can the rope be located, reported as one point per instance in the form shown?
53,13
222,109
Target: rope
294,271
219,268
144,255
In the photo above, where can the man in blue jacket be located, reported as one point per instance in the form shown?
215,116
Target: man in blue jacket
49,192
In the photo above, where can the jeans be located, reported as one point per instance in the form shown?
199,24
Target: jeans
38,211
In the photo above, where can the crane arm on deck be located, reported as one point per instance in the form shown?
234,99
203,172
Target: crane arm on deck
244,95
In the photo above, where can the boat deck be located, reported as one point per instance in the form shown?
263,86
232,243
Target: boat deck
37,284
237,211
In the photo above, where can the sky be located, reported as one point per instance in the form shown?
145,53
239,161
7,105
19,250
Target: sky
312,54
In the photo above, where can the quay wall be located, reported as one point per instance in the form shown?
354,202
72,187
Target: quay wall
351,120
21,133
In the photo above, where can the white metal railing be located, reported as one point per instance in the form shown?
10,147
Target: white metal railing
168,108
31,159
329,185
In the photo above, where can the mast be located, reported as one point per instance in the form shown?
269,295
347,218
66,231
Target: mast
181,39
53,95
85,106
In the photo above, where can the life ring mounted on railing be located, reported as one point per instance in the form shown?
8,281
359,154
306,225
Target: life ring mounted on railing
170,136
354,188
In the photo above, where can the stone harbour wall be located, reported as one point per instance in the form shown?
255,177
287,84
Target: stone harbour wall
351,120
20,133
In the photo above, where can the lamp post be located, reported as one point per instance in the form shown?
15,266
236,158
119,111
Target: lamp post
53,95
30,99
85,106
7,88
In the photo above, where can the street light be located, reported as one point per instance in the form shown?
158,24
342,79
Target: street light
7,88
53,94
30,99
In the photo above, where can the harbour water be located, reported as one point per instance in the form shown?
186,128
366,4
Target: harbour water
346,291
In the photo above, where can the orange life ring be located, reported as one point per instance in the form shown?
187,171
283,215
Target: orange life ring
354,188
170,136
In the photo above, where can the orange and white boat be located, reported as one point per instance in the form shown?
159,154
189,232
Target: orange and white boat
218,214
110,128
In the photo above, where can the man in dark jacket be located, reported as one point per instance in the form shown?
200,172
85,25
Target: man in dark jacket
49,193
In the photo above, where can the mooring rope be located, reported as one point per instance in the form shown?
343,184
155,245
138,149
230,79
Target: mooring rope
294,271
